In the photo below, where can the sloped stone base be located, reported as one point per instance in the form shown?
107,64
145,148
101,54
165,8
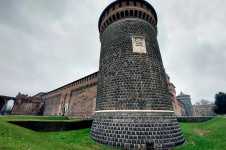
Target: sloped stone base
137,130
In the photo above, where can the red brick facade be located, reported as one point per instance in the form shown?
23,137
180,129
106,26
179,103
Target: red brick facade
26,105
203,110
75,100
178,106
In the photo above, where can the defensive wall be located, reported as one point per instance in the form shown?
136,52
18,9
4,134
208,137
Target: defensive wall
25,105
78,99
75,100
178,106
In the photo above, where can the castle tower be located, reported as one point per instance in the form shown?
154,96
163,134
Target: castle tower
186,100
133,107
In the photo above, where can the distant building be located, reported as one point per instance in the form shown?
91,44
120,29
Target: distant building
186,100
203,110
178,106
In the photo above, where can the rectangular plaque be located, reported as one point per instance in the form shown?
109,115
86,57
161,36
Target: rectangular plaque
139,44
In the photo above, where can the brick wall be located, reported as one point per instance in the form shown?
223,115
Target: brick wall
75,100
203,110
22,107
52,106
82,103
133,105
139,76
178,106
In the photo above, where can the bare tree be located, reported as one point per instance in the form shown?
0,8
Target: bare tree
197,103
204,102
203,108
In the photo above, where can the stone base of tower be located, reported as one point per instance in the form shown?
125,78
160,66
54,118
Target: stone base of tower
137,130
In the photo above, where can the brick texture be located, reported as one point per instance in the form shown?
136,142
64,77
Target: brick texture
135,82
52,106
25,108
82,103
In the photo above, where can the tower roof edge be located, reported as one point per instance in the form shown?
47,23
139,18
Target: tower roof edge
113,4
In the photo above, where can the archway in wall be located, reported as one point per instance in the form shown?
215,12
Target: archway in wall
9,107
2,104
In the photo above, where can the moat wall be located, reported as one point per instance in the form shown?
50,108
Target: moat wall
51,126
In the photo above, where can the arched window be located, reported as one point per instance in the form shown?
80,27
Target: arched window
147,18
127,13
140,13
117,15
144,15
122,14
135,13
113,17
131,12
110,20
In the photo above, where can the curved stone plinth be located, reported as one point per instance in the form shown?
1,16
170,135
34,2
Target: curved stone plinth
137,130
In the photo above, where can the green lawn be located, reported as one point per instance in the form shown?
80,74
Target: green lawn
13,137
208,135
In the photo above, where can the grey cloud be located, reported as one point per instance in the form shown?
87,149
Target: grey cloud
193,46
48,43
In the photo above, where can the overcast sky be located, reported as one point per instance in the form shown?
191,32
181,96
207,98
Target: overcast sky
45,44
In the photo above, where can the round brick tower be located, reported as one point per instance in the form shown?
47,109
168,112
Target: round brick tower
133,107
